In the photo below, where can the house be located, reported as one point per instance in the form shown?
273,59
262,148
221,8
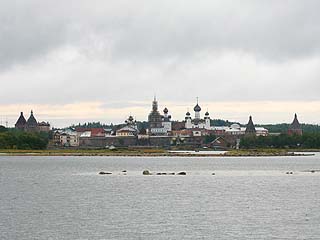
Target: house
65,138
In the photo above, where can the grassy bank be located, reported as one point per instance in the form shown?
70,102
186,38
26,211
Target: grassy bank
271,152
84,152
146,152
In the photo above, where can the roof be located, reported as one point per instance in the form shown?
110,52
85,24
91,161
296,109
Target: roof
82,129
86,134
66,132
21,120
32,121
234,130
295,125
97,132
250,127
44,124
127,129
258,129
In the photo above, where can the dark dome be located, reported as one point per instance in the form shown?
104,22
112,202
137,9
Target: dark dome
207,114
197,108
130,118
165,110
188,114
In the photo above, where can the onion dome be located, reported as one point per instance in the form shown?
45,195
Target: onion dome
32,122
130,118
188,114
207,114
197,108
165,110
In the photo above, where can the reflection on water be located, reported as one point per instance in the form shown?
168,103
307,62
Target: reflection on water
247,198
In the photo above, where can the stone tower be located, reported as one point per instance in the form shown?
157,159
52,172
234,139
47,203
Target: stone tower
207,120
250,129
295,127
32,124
155,118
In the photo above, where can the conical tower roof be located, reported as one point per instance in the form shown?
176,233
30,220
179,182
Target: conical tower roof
32,121
21,120
250,127
295,125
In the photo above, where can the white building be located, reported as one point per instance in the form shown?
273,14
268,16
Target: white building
166,121
67,138
236,130
197,122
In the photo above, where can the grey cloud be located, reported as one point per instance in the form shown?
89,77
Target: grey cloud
132,49
148,30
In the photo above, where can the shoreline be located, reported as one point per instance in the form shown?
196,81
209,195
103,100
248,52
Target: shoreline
160,153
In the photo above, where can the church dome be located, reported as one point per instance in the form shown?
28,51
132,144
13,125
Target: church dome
207,113
197,108
188,114
165,110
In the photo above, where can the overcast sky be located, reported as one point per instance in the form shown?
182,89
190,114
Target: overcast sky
77,60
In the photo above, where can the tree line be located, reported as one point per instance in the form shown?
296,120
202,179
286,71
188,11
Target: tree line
15,139
307,140
283,127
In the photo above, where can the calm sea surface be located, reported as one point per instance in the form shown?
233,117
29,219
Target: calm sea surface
247,198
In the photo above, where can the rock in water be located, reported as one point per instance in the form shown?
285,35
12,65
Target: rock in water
182,173
105,173
146,172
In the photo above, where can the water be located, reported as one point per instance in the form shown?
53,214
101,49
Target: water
247,198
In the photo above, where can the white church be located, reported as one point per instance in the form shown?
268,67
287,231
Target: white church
197,122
